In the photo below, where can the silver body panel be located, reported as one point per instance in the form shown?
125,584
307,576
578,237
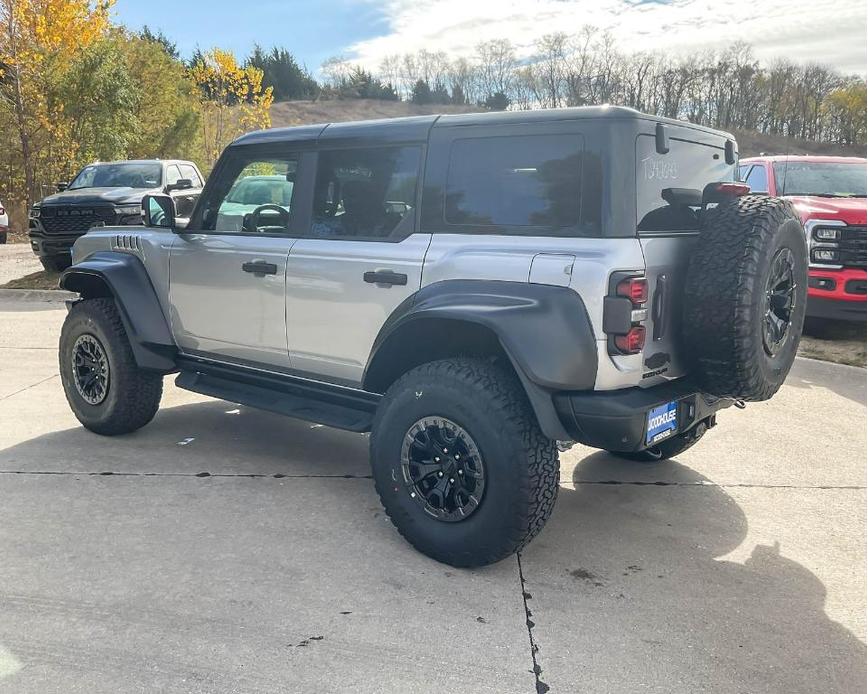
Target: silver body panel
217,308
333,315
546,260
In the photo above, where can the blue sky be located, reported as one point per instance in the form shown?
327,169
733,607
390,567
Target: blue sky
827,31
312,31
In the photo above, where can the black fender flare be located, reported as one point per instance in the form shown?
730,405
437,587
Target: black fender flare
543,329
123,277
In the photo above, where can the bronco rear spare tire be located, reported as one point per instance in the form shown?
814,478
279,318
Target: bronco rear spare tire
745,296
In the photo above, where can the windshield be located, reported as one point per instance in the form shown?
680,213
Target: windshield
826,179
133,175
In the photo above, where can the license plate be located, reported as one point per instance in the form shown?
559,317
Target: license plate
662,422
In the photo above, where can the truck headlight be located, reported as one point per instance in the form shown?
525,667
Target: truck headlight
826,234
825,255
824,239
34,213
128,210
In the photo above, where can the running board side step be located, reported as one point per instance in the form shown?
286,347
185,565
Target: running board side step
312,401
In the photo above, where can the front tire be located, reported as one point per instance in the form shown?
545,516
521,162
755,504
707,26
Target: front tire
107,391
478,414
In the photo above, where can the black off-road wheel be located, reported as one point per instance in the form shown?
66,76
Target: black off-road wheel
460,464
745,297
106,390
55,263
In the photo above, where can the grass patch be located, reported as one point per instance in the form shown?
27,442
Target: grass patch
842,343
36,280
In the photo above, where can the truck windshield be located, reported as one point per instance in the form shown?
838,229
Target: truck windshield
823,179
127,175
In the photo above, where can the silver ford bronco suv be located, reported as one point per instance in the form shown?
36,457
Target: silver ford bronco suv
476,291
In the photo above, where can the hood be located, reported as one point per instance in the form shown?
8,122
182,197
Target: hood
90,196
848,210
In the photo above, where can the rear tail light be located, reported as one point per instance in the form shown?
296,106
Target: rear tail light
635,289
633,342
625,312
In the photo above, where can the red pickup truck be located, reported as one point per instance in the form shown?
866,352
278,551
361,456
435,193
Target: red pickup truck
829,195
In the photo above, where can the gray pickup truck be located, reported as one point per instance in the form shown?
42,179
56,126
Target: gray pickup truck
107,194
476,291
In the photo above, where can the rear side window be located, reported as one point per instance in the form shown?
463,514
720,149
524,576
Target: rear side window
189,173
516,185
667,184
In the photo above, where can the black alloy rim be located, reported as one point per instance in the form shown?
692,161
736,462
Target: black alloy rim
443,469
90,369
780,302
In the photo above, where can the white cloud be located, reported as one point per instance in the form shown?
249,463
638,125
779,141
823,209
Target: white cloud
829,31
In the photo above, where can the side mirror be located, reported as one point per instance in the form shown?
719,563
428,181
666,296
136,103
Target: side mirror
159,211
180,184
62,186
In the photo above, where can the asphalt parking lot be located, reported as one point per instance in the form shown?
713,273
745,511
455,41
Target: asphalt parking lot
222,549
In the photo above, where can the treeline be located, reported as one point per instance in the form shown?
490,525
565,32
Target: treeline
75,88
721,89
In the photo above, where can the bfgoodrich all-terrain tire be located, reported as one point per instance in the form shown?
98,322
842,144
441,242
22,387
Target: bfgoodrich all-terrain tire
460,463
106,390
745,296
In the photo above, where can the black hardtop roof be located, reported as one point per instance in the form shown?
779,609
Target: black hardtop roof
413,128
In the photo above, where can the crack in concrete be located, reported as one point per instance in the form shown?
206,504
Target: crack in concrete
732,485
107,473
21,390
541,687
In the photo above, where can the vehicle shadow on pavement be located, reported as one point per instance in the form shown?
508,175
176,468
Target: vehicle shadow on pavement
636,563
625,580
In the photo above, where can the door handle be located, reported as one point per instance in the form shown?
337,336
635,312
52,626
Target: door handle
385,277
260,268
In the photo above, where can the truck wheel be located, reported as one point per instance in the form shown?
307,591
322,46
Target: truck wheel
55,263
665,449
106,390
460,463
745,297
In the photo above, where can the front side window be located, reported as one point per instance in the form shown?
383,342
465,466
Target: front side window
366,193
758,180
521,182
256,199
143,175
173,175
669,186
825,179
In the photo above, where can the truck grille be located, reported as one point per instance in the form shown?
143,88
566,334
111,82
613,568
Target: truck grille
75,219
853,246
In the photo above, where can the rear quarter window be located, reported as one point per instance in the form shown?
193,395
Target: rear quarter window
528,185
687,165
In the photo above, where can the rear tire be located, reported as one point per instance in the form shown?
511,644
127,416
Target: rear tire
108,393
480,408
55,263
745,297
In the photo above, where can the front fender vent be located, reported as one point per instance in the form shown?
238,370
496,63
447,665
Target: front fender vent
127,242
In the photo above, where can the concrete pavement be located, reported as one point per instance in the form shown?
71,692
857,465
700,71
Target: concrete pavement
222,549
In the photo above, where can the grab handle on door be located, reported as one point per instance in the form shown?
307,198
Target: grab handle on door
260,268
658,309
385,277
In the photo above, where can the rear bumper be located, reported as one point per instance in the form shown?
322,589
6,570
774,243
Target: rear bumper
836,294
617,420
50,245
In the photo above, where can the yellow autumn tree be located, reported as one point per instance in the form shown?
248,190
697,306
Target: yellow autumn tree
233,100
38,40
